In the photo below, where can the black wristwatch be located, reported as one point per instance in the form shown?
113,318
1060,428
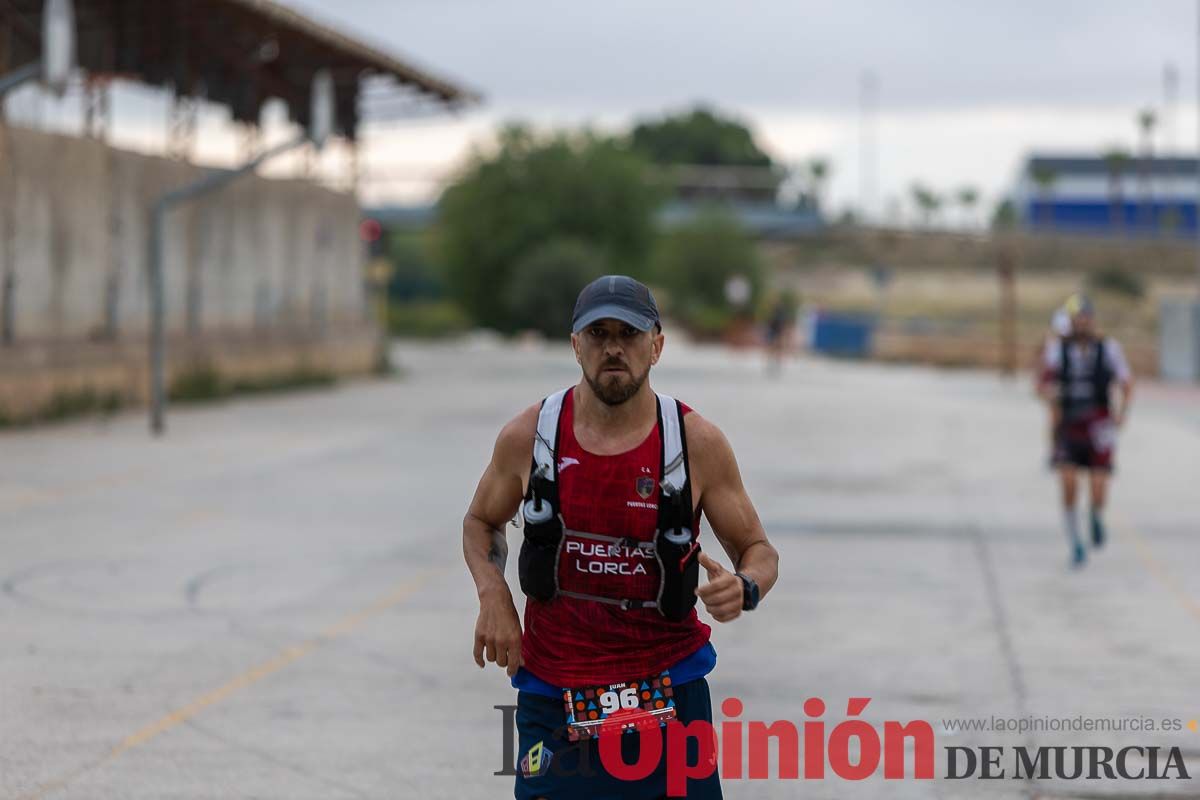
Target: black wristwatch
749,593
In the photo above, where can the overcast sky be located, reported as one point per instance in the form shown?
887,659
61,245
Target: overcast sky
785,55
966,88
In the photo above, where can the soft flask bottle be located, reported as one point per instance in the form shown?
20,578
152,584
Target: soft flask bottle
537,566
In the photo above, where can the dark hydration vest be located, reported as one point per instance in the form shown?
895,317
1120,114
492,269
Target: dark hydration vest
1087,391
675,546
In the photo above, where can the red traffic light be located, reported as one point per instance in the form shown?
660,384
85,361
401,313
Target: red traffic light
369,230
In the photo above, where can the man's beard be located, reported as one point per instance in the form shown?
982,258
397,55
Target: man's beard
613,391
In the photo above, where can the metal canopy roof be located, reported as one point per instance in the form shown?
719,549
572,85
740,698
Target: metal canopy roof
237,53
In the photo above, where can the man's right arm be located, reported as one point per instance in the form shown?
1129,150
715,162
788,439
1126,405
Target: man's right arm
1048,378
498,628
1048,369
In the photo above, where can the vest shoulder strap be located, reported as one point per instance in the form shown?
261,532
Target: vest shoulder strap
545,441
674,455
1101,356
670,418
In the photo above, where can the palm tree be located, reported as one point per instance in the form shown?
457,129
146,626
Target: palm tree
1146,120
927,201
818,171
1045,177
968,197
1004,217
1117,161
935,206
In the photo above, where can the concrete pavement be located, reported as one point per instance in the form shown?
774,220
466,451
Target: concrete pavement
271,601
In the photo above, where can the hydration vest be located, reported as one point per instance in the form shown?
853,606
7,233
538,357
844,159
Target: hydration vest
1087,391
675,546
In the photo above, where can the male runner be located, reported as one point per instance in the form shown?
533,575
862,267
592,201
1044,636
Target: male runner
1060,328
1077,376
617,463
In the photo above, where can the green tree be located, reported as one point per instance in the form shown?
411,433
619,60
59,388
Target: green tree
1004,216
696,261
534,189
1147,120
686,143
1044,178
1114,278
1117,162
968,198
699,136
927,201
545,283
818,174
414,277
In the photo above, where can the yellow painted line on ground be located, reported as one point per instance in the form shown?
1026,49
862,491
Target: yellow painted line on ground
1161,572
289,655
34,496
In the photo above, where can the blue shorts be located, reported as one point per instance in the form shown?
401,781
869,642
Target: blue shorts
543,719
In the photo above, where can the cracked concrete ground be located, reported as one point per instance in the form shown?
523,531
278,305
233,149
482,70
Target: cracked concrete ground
271,603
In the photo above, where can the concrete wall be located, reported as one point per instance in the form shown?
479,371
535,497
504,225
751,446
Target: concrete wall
259,253
275,261
35,377
1180,336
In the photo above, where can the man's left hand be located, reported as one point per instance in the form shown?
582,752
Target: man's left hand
722,595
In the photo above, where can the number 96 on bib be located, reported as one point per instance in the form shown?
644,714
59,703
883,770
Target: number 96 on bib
624,706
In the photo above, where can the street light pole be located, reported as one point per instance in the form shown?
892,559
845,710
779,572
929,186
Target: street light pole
868,98
321,121
158,220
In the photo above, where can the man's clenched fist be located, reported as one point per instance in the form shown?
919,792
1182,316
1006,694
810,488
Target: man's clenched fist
722,595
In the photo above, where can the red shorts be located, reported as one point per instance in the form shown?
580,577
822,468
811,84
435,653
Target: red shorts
1087,443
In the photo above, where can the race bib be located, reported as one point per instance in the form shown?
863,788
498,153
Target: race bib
625,706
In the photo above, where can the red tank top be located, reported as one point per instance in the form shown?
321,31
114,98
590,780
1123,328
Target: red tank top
570,642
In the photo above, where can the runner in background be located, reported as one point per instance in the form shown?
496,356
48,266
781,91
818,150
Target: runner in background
1060,328
780,326
1079,372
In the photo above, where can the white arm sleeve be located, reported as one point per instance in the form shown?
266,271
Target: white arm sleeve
1052,355
1114,354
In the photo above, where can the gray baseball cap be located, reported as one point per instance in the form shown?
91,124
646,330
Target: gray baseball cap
615,297
1080,305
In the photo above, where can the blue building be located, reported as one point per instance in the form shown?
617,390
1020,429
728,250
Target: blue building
1112,196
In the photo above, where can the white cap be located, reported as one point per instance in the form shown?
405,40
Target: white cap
1061,322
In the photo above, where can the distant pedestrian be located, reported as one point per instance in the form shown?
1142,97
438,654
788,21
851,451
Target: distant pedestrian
1060,328
1078,374
780,326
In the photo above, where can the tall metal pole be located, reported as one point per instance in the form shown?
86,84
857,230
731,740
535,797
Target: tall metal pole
1197,187
1170,104
158,343
1007,273
158,219
868,98
321,121
8,183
